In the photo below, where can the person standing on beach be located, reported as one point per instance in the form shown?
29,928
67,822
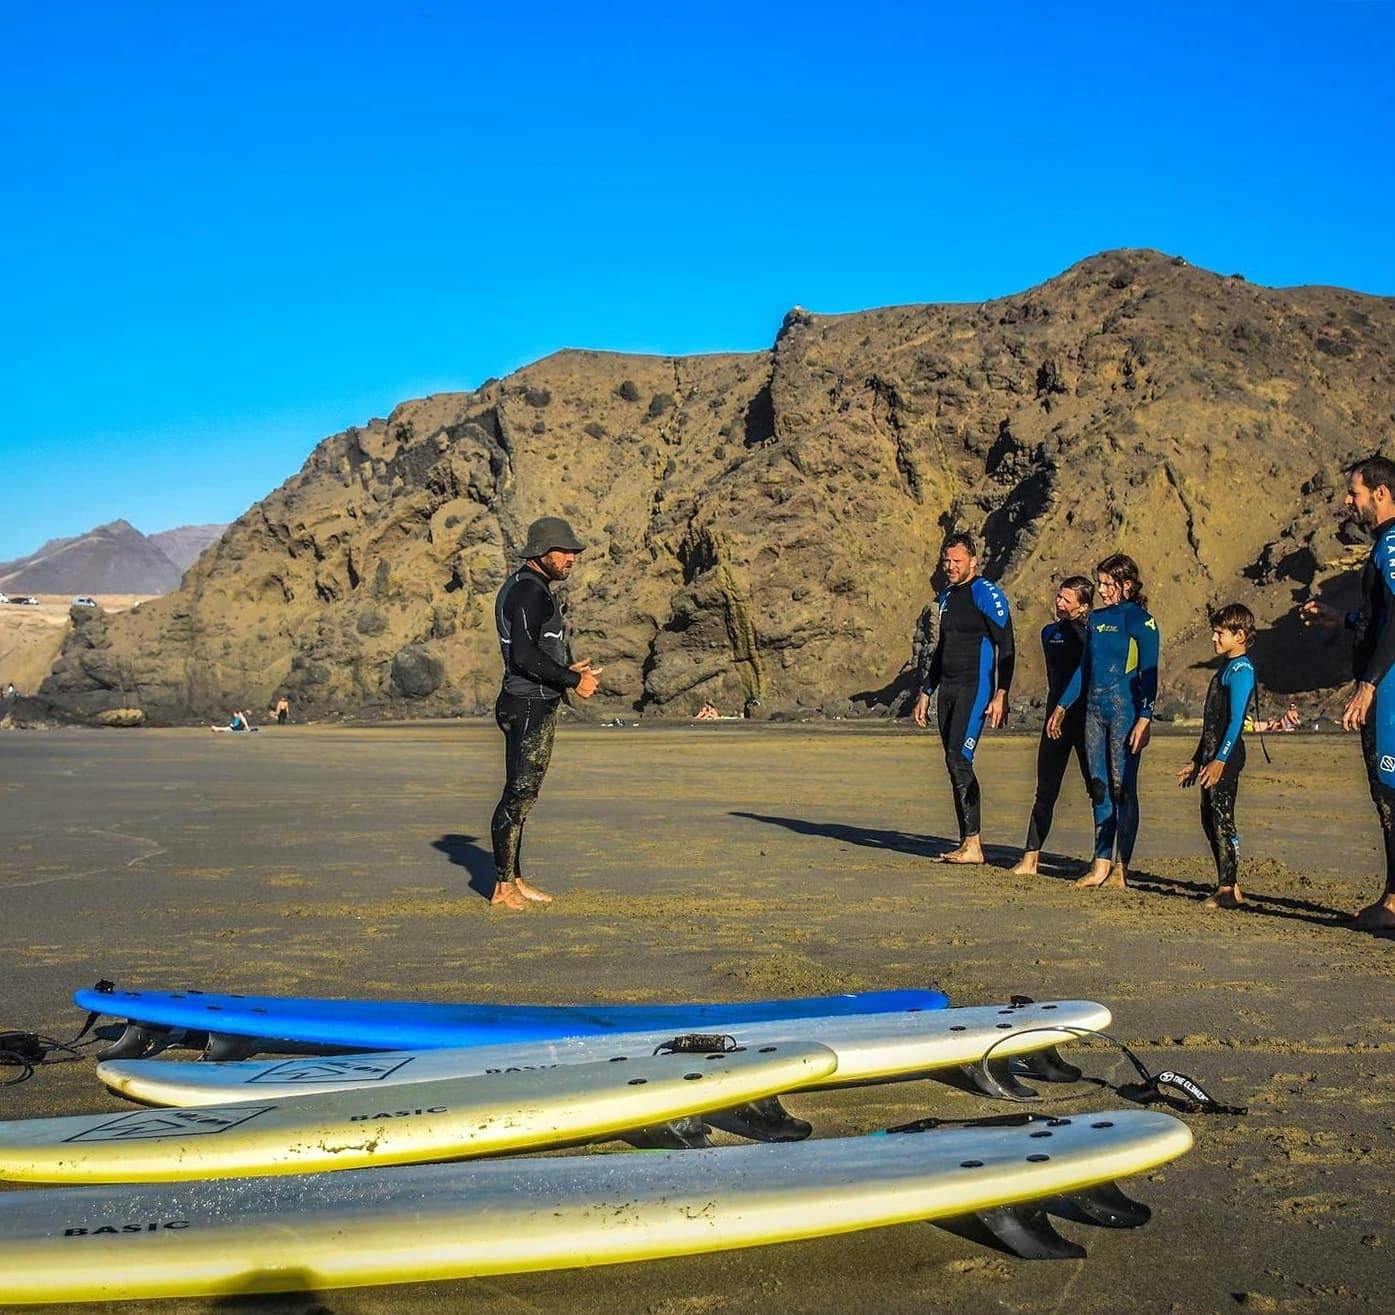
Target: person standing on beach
533,643
1062,645
1371,707
1219,757
971,668
1118,678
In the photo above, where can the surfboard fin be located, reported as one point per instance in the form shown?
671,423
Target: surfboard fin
1103,1205
762,1120
1024,1231
1048,1066
688,1134
220,1047
1000,1080
134,1042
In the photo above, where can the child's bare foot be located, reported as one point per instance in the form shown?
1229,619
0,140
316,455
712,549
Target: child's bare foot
1096,877
506,896
531,892
1028,866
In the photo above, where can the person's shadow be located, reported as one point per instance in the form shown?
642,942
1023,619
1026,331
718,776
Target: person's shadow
466,852
903,842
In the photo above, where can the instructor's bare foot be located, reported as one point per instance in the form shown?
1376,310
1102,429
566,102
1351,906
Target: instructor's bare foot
531,892
1379,916
506,896
1099,875
1028,866
1227,897
970,851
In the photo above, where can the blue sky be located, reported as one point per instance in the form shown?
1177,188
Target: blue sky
230,230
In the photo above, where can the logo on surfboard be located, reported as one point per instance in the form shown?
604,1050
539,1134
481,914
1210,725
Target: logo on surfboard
358,1069
152,1124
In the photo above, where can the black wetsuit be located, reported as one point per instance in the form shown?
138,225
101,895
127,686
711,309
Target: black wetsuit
1062,643
1373,662
533,642
1222,738
973,658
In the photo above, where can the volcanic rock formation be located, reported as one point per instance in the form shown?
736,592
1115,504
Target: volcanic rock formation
764,526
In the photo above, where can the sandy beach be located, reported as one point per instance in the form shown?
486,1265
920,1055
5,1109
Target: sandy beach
725,860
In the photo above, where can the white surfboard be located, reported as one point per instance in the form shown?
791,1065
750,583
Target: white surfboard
451,1118
869,1048
511,1216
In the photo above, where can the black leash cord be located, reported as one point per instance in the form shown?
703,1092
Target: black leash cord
1191,1097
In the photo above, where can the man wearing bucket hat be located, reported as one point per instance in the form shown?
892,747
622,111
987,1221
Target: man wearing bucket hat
533,642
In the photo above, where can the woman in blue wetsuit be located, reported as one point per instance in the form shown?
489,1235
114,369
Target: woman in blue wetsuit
1118,678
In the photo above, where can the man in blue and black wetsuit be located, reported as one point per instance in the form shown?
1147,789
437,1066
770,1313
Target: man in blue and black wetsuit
972,669
533,642
1371,708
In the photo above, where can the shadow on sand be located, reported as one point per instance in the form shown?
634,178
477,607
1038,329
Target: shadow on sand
904,842
1061,867
467,852
285,1293
1269,906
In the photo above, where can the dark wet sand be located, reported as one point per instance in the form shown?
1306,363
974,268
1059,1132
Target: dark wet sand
718,861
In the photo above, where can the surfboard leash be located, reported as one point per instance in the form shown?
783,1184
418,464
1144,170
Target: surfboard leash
1168,1087
27,1050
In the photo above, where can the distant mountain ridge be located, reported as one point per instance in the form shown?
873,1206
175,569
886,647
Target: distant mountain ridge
184,545
115,558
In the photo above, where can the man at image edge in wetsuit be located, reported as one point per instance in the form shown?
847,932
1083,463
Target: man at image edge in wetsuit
1371,707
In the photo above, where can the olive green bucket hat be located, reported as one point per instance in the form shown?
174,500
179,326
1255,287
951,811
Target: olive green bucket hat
549,532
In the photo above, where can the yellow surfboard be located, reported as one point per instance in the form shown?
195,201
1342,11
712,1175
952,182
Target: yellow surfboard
414,1122
512,1216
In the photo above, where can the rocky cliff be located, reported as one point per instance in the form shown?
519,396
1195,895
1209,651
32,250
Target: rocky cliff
764,526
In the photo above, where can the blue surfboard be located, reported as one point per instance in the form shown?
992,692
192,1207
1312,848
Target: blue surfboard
409,1025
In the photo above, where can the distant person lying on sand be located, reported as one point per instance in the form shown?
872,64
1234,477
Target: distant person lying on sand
706,713
238,722
1284,725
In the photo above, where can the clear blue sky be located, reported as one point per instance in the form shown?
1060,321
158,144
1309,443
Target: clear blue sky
228,230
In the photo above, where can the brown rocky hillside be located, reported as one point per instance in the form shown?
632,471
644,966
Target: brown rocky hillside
765,525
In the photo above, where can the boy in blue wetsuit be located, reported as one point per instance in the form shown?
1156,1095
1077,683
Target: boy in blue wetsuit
1118,678
1220,752
971,668
1371,707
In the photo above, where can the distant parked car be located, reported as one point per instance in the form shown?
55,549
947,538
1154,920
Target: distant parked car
82,600
4,597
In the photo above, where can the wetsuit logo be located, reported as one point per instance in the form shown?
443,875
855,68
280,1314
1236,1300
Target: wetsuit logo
1387,763
971,741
